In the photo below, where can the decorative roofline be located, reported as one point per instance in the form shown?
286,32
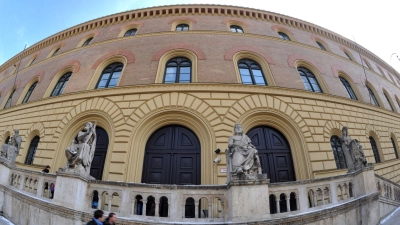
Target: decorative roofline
184,10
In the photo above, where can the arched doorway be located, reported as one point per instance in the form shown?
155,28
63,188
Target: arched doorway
99,158
274,152
172,156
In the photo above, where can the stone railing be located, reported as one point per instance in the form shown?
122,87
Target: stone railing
387,188
310,195
185,203
33,183
238,201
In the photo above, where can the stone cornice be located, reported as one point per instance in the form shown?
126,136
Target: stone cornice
185,10
200,87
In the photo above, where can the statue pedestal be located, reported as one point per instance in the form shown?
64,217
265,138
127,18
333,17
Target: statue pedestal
247,198
5,168
71,190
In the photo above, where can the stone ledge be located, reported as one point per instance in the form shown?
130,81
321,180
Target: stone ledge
159,186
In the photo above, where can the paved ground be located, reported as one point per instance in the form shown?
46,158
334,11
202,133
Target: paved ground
4,221
393,218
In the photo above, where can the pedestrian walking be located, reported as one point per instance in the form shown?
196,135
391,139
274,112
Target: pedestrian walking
98,218
111,219
46,170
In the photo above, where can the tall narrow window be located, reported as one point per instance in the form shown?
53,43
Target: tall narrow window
110,76
28,94
321,46
130,32
87,42
32,150
348,56
62,82
309,79
178,70
284,36
8,103
348,88
55,52
182,27
387,99
236,29
250,72
394,148
338,152
374,149
372,95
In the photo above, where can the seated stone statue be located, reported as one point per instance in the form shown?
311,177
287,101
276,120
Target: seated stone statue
10,151
242,156
81,152
353,152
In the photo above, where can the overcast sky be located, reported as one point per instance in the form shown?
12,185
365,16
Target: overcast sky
371,23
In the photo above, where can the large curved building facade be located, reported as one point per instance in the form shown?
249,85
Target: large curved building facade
167,84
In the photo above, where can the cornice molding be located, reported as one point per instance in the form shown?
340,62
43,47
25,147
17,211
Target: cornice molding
186,10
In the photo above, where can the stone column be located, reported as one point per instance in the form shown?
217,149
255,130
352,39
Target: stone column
297,202
196,209
169,210
183,210
99,204
323,197
157,210
109,203
144,207
314,199
209,209
348,191
133,207
278,210
288,202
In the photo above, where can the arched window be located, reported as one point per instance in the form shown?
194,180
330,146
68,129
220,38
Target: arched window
348,56
374,149
284,36
8,103
321,46
55,52
182,27
110,76
178,70
130,32
250,72
394,148
387,99
236,29
62,82
87,41
28,94
338,152
372,95
32,150
7,140
348,88
309,79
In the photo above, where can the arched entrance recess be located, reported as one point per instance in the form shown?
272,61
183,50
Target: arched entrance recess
172,156
274,152
99,158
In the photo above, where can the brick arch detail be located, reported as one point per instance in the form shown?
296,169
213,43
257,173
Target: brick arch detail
182,18
171,100
130,57
74,63
95,104
329,125
199,53
139,24
9,129
39,74
370,128
264,101
335,69
235,21
277,27
231,52
292,59
37,126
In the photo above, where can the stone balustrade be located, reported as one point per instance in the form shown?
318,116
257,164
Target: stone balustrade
306,201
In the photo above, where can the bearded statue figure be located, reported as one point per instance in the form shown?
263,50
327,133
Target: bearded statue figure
242,156
81,152
10,151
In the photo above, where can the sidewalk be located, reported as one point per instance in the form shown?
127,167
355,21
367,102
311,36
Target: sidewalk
393,218
4,221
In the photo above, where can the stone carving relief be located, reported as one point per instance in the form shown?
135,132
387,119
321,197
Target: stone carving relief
10,151
81,152
242,156
353,152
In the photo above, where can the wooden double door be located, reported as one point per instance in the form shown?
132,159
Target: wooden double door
274,152
99,158
172,156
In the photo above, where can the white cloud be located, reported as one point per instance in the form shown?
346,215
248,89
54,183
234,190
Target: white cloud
21,32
